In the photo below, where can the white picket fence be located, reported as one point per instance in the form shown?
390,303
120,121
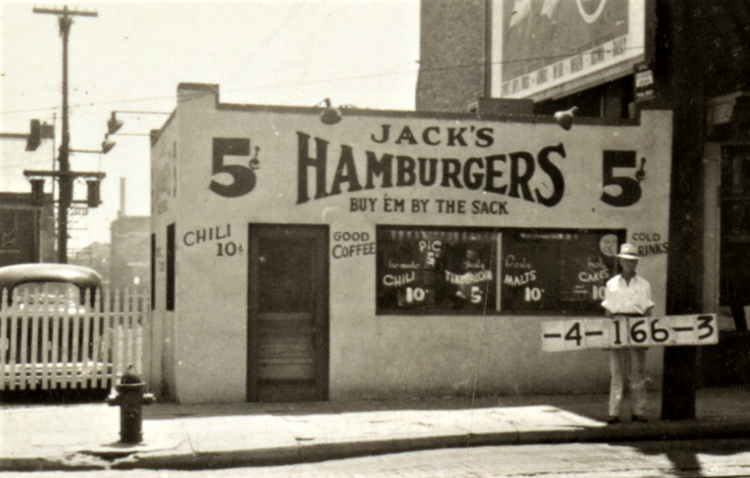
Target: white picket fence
51,341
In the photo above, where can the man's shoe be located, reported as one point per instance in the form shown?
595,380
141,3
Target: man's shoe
613,420
639,419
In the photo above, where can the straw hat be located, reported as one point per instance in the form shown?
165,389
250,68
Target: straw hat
628,251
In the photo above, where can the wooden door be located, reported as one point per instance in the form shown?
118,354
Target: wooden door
287,313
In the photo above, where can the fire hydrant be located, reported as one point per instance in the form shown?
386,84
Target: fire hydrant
130,397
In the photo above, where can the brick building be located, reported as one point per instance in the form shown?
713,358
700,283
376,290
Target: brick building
27,229
452,46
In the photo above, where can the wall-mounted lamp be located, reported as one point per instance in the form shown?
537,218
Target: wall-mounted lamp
565,118
330,115
114,124
107,144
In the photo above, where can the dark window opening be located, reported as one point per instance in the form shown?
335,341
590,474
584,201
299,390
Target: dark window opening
153,271
170,266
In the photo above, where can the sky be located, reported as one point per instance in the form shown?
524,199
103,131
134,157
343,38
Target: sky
131,57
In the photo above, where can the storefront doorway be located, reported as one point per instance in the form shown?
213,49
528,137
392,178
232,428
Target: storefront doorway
287,313
735,232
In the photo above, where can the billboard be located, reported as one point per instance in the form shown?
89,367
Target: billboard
548,48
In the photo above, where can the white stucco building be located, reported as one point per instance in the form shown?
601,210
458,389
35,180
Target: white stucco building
391,253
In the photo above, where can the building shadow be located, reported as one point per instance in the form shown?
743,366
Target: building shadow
52,397
684,454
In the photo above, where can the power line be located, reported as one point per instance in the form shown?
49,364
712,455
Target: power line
329,80
8,166
268,40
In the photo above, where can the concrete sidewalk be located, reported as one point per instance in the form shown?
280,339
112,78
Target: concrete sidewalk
67,437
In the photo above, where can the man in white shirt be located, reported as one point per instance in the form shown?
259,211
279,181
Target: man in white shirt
628,295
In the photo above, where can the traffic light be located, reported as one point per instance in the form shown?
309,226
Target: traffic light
93,193
48,131
35,136
37,191
66,192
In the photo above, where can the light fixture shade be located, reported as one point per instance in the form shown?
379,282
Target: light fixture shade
330,115
565,118
107,145
113,124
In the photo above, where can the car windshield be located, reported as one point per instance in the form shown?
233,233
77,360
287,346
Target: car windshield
50,295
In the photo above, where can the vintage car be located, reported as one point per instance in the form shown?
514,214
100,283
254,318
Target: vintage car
46,320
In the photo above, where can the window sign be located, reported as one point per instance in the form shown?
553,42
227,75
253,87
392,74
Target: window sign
475,271
557,271
436,269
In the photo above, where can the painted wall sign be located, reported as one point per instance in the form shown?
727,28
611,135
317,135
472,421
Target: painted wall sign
216,235
352,244
515,174
163,176
520,174
649,243
207,234
243,177
425,206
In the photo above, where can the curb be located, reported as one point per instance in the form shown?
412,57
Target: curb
310,453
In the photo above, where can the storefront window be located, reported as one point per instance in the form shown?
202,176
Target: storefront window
434,270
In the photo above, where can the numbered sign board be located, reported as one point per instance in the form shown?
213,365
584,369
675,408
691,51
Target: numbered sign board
579,334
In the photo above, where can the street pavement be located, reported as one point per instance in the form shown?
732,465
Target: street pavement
86,436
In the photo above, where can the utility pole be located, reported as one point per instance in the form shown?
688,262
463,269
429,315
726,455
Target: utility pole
680,47
66,181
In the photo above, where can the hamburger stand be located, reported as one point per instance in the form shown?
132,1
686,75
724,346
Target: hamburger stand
301,253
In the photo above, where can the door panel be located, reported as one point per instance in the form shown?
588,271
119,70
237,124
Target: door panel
288,313
735,232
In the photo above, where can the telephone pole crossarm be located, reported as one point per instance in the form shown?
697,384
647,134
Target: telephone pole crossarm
65,11
34,173
14,136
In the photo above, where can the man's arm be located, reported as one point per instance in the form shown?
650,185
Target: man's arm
650,309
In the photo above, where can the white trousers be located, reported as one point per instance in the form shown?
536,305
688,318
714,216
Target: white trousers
630,362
